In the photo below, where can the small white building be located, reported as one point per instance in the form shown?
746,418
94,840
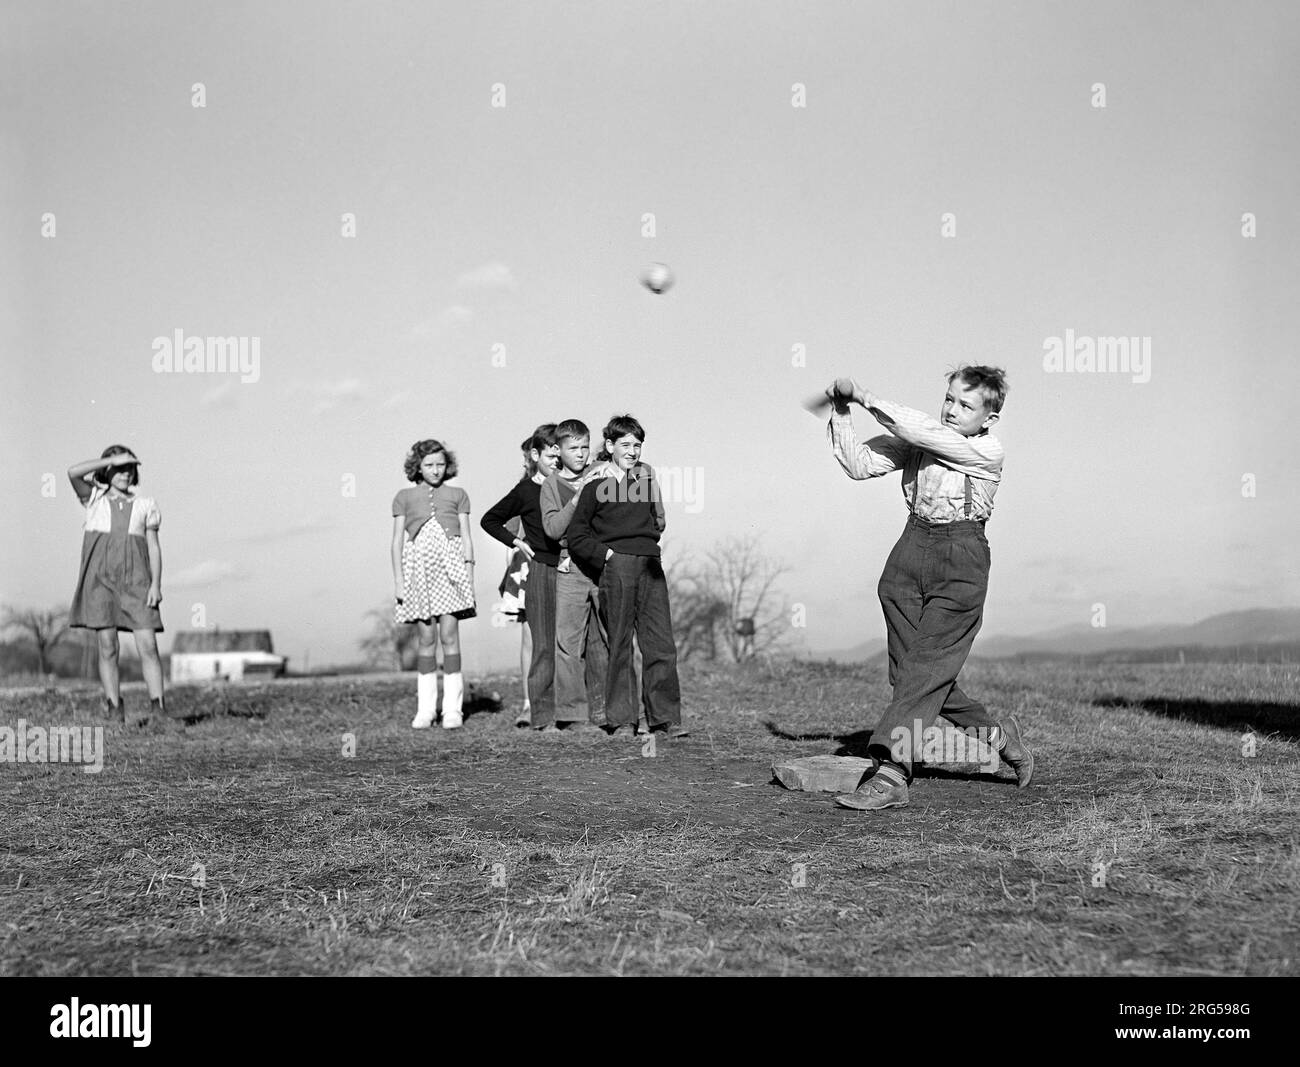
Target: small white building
224,656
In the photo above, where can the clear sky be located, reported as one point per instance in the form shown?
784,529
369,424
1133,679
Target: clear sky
522,226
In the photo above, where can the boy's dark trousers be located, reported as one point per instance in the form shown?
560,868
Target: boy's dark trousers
932,591
539,607
634,598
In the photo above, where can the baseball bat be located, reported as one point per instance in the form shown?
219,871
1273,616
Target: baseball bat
820,403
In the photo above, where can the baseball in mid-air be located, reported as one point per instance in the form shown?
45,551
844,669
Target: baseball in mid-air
657,278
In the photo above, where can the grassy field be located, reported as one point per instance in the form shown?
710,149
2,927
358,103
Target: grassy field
244,840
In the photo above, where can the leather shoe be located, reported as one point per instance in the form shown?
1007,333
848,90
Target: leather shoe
1015,753
873,794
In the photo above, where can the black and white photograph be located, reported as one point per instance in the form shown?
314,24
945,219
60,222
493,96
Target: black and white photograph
732,488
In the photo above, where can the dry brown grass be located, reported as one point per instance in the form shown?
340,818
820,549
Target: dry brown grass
244,842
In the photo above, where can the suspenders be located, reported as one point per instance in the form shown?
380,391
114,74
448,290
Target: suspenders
915,472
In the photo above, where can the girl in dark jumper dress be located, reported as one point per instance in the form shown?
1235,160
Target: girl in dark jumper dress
120,584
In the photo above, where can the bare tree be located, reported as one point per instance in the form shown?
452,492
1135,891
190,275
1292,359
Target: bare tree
739,576
388,643
698,613
43,629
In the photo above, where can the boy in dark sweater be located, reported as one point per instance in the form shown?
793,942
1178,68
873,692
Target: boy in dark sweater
615,532
543,554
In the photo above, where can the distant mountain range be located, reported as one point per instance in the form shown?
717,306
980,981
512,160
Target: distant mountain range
863,653
1256,627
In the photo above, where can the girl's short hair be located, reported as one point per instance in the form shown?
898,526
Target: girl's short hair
526,446
105,474
424,448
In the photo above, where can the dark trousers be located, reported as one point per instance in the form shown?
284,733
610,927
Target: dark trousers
539,605
932,591
634,600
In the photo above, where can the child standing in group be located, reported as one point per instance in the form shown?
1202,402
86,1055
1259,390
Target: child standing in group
581,649
543,557
615,531
514,589
542,554
120,584
433,575
935,581
604,459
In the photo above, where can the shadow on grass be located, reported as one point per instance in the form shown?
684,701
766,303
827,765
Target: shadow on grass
480,703
191,715
854,744
857,744
1277,719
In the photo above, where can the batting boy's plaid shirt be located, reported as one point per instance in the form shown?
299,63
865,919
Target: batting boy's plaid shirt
935,460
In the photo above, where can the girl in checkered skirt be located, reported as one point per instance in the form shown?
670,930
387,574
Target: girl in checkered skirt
433,575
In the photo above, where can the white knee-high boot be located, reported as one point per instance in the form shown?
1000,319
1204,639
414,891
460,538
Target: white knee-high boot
426,706
453,697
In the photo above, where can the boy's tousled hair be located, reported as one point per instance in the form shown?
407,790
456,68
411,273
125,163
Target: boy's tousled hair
621,426
544,437
990,381
525,446
105,474
571,428
428,447
618,426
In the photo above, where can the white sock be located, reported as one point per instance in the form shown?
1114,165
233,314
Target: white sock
453,697
426,699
